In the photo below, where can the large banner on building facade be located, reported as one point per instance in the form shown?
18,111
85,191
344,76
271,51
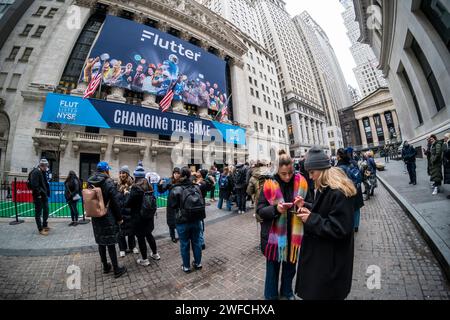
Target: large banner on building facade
66,109
143,59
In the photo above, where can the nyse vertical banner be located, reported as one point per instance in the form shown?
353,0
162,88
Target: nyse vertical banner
143,59
60,108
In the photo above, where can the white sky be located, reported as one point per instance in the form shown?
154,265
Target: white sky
327,13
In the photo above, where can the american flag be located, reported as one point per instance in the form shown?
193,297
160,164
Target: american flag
167,100
223,112
93,85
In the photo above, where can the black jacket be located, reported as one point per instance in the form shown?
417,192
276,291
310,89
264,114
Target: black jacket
175,200
446,159
326,257
269,213
126,228
359,199
39,183
106,228
171,221
240,185
409,154
226,192
72,188
141,227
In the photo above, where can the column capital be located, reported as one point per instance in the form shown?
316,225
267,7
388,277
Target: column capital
163,26
86,3
113,10
139,18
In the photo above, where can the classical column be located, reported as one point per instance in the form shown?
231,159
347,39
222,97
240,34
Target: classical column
305,137
396,125
387,136
150,101
322,133
296,127
239,90
316,132
374,132
117,95
362,131
310,132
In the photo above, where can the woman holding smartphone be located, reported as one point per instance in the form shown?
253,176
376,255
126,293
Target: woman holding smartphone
281,229
326,265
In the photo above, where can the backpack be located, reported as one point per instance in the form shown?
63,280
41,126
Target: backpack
353,173
93,203
223,182
192,204
259,186
210,184
149,206
241,176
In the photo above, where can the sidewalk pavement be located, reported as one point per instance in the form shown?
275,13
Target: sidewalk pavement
24,239
431,214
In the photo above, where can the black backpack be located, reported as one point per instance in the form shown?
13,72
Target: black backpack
192,204
29,178
149,206
241,176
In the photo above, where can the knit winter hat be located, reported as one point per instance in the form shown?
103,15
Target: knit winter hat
139,172
316,159
125,169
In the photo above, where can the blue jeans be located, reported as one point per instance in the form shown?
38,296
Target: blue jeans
202,233
220,203
189,233
357,217
272,276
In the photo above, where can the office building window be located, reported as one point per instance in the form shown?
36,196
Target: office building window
14,83
429,75
13,53
39,32
439,17
413,96
26,55
39,11
27,30
51,13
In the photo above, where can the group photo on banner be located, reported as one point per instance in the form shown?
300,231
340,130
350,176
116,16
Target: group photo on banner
150,61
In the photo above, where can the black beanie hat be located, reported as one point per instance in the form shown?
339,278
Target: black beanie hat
316,159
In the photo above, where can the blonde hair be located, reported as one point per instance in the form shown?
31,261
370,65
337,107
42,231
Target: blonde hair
336,179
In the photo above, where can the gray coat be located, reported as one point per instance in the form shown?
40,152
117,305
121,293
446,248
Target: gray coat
436,161
446,156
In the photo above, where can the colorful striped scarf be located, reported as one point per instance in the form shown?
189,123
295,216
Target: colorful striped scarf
277,246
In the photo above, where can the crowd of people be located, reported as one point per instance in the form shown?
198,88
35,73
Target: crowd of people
308,210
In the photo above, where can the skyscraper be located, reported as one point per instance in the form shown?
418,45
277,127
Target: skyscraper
267,132
327,74
367,74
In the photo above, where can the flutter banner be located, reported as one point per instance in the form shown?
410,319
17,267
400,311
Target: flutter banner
66,109
143,59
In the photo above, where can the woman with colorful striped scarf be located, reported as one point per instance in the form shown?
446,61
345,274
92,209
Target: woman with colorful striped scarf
281,229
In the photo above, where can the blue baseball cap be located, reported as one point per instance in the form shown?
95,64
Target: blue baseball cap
103,166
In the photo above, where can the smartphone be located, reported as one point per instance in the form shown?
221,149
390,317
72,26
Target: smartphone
288,205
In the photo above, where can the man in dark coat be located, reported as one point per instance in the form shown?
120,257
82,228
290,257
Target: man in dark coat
409,157
436,152
168,186
325,265
106,228
41,192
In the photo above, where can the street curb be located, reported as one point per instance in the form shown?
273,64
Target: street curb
438,247
85,249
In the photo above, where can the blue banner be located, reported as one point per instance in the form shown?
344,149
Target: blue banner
66,109
144,59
